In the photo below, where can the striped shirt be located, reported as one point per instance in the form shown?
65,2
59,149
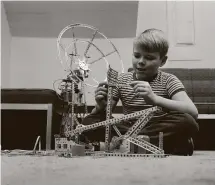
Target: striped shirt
164,85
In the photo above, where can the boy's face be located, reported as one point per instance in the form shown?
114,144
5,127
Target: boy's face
146,64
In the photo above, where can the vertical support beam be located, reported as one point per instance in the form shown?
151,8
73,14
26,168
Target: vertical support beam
112,76
49,127
161,140
72,105
72,123
108,116
84,97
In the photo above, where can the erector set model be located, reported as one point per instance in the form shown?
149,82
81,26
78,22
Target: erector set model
72,91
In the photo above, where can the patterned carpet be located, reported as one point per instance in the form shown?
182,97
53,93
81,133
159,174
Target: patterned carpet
198,169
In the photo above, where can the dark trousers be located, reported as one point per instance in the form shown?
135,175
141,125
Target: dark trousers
176,127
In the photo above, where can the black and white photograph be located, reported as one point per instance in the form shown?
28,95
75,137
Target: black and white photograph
107,92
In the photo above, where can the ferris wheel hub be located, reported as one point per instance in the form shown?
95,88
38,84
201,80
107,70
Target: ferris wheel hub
83,65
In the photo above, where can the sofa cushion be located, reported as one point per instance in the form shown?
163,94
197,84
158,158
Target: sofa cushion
203,83
200,86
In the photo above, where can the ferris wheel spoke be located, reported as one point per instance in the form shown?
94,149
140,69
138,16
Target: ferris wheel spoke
66,56
74,40
90,43
90,63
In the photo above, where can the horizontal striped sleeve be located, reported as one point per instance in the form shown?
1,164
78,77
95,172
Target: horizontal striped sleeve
116,94
173,85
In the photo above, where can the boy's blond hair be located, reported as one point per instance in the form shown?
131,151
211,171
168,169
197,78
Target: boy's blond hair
153,40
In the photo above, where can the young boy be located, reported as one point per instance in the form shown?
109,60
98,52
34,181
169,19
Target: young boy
147,85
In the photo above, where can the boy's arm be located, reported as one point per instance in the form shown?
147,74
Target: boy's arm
179,102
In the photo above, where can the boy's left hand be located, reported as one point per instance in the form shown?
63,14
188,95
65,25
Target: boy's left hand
143,89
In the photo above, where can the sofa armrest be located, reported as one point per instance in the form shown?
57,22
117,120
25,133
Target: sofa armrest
204,103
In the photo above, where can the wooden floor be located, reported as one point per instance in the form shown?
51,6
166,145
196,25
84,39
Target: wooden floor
198,169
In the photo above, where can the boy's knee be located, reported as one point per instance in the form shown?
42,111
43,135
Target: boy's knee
191,123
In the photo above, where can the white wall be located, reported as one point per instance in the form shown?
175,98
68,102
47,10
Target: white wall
34,62
5,50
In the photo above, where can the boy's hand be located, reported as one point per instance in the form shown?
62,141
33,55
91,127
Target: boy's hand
143,89
101,96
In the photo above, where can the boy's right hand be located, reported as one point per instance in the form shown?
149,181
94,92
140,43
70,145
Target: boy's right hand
101,96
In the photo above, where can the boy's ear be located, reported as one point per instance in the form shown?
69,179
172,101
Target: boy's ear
163,61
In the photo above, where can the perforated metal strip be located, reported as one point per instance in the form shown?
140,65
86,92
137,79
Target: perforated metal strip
145,145
113,121
85,98
125,155
161,140
135,129
108,116
67,126
72,105
142,121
